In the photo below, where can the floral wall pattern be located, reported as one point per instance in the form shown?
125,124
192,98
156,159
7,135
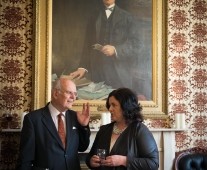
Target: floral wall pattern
15,72
187,70
187,67
15,55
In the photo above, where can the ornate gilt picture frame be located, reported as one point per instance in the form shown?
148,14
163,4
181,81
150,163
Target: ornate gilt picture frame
43,61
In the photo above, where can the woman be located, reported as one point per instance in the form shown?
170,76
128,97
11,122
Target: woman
129,143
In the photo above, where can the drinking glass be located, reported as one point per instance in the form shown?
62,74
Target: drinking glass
101,153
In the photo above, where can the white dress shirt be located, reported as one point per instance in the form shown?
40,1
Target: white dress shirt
54,113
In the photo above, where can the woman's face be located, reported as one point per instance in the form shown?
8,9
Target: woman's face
115,110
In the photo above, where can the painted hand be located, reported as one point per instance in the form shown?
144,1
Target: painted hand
78,74
108,50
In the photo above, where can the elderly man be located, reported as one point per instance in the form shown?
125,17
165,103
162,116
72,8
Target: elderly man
52,136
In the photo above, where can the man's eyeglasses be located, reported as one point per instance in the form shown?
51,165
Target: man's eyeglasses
69,93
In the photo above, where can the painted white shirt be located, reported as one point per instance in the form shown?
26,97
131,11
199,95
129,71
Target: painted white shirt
108,12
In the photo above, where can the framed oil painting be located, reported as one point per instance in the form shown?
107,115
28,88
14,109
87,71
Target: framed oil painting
70,34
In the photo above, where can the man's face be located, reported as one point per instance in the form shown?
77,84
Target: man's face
65,97
108,2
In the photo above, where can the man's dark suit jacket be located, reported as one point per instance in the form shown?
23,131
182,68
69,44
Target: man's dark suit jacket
41,146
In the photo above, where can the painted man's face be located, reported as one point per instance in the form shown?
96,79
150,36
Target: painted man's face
108,2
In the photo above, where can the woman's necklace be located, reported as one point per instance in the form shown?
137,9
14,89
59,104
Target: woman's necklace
116,130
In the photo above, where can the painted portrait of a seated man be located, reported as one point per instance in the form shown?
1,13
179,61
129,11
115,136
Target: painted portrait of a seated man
103,45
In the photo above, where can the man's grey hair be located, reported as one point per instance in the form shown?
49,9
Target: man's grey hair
56,84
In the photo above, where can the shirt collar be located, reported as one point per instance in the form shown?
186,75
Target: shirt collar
110,6
54,111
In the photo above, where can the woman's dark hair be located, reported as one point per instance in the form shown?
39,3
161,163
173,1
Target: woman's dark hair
129,104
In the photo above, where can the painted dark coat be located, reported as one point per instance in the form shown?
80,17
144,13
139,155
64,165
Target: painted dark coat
122,34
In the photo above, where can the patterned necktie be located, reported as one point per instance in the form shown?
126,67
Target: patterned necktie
61,129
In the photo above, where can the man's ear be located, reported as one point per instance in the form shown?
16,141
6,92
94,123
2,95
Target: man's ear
55,93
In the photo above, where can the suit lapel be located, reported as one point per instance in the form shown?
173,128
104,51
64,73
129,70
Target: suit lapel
116,16
49,124
98,25
71,126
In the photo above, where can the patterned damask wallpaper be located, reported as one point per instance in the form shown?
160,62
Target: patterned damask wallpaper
15,55
187,70
16,17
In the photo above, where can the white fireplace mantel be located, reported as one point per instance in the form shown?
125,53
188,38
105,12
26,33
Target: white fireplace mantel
165,139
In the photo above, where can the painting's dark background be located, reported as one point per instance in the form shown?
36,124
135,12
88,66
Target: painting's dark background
69,28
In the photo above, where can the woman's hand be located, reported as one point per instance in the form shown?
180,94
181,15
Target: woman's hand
95,161
114,160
